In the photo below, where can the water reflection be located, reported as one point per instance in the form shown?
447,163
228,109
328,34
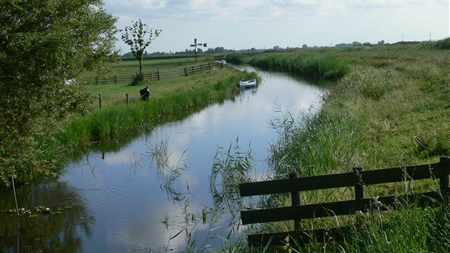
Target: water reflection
39,230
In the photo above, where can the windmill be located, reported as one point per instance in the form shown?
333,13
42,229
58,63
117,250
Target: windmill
195,45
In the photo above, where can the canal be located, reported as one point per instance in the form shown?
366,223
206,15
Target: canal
154,194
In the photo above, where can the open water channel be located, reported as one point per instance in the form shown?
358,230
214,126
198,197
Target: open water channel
124,202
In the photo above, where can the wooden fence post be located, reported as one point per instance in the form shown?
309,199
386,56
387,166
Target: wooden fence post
100,100
96,79
185,72
359,185
295,199
444,182
127,99
115,79
159,77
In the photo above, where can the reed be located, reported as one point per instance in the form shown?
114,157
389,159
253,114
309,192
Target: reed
307,65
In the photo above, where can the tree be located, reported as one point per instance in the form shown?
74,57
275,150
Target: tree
43,45
139,37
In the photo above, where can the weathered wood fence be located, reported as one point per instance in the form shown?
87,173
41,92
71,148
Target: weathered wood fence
196,69
357,179
155,75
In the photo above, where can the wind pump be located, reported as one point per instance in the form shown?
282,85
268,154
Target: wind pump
195,45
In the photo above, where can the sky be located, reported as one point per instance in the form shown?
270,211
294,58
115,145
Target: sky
264,24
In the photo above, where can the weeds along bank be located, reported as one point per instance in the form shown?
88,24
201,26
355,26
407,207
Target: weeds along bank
391,108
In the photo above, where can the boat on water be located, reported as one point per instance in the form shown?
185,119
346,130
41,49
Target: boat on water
248,83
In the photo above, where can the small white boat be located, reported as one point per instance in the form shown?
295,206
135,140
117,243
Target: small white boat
249,83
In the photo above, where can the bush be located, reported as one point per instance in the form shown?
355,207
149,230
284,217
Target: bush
139,79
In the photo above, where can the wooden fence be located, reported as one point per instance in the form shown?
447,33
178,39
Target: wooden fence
196,69
357,179
155,75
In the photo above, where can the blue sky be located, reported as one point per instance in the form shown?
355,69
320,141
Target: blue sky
243,24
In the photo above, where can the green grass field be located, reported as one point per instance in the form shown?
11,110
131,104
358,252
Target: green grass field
130,66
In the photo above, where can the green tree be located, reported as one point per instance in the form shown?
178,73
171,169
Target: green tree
139,37
44,45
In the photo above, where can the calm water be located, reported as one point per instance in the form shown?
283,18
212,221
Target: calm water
123,201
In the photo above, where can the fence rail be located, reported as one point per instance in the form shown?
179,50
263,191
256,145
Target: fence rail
357,179
155,75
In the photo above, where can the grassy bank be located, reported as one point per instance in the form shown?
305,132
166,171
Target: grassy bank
170,99
392,109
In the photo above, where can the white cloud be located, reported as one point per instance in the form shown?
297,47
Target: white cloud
288,23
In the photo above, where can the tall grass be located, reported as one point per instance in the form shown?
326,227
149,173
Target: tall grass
307,65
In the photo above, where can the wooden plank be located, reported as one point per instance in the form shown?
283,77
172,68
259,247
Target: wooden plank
303,212
334,208
418,172
298,184
321,234
427,171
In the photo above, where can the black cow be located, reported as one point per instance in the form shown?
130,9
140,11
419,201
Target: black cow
145,93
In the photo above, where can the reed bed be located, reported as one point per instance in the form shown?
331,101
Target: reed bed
307,65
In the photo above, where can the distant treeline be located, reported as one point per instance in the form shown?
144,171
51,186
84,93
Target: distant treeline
217,50
440,44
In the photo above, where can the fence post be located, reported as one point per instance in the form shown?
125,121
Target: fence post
115,79
444,181
185,72
359,185
295,199
100,100
127,99
96,79
158,75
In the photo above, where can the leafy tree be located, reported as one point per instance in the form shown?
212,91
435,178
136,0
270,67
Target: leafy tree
139,37
44,45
